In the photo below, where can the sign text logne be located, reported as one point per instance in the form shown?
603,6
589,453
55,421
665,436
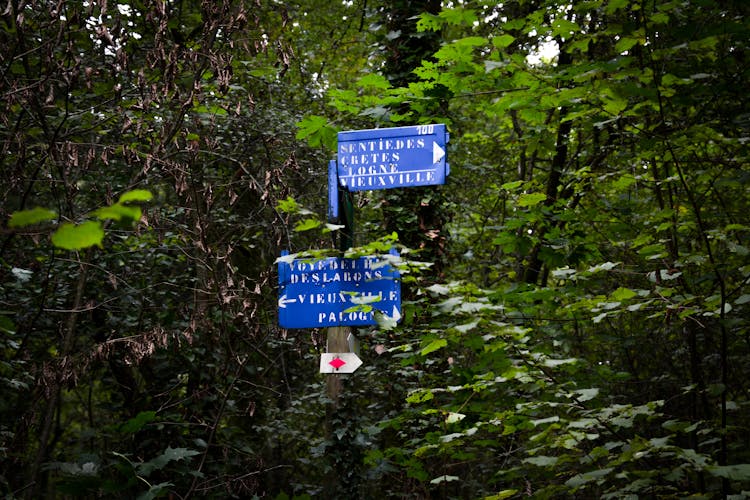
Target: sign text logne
392,157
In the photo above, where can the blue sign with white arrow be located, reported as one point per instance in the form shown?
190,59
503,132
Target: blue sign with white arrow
392,157
338,292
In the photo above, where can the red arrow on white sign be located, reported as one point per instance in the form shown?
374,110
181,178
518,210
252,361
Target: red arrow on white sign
339,362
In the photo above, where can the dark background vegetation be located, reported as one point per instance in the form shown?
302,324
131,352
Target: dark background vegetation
581,329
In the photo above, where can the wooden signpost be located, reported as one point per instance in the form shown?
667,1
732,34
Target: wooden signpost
339,293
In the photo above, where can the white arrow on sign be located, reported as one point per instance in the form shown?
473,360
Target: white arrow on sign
283,301
437,152
339,362
387,322
396,315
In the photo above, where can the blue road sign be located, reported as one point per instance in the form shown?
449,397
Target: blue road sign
333,192
392,157
337,291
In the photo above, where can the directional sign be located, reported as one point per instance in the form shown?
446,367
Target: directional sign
338,291
392,157
339,362
333,192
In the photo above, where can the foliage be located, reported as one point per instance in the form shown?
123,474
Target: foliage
575,316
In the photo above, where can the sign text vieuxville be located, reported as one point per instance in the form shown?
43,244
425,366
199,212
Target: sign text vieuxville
395,157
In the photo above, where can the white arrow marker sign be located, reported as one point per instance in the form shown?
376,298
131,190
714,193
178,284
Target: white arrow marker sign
339,362
283,301
437,152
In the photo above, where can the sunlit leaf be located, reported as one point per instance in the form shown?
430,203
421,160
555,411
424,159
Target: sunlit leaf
551,363
420,396
586,394
317,131
136,195
288,205
25,218
501,495
374,80
563,27
623,294
22,275
606,266
333,227
459,16
433,346
548,420
444,478
530,199
307,224
118,212
454,417
77,237
502,41
625,43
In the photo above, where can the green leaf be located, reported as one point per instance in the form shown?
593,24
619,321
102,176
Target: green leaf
562,26
614,5
434,346
541,461
136,423
458,16
306,225
581,45
586,477
169,455
25,218
737,472
333,227
530,199
454,417
317,132
548,420
614,105
623,294
310,126
503,41
289,206
155,491
374,80
624,182
553,363
136,195
501,495
470,41
512,185
586,394
420,396
606,266
625,43
118,212
659,18
7,325
76,237
429,22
